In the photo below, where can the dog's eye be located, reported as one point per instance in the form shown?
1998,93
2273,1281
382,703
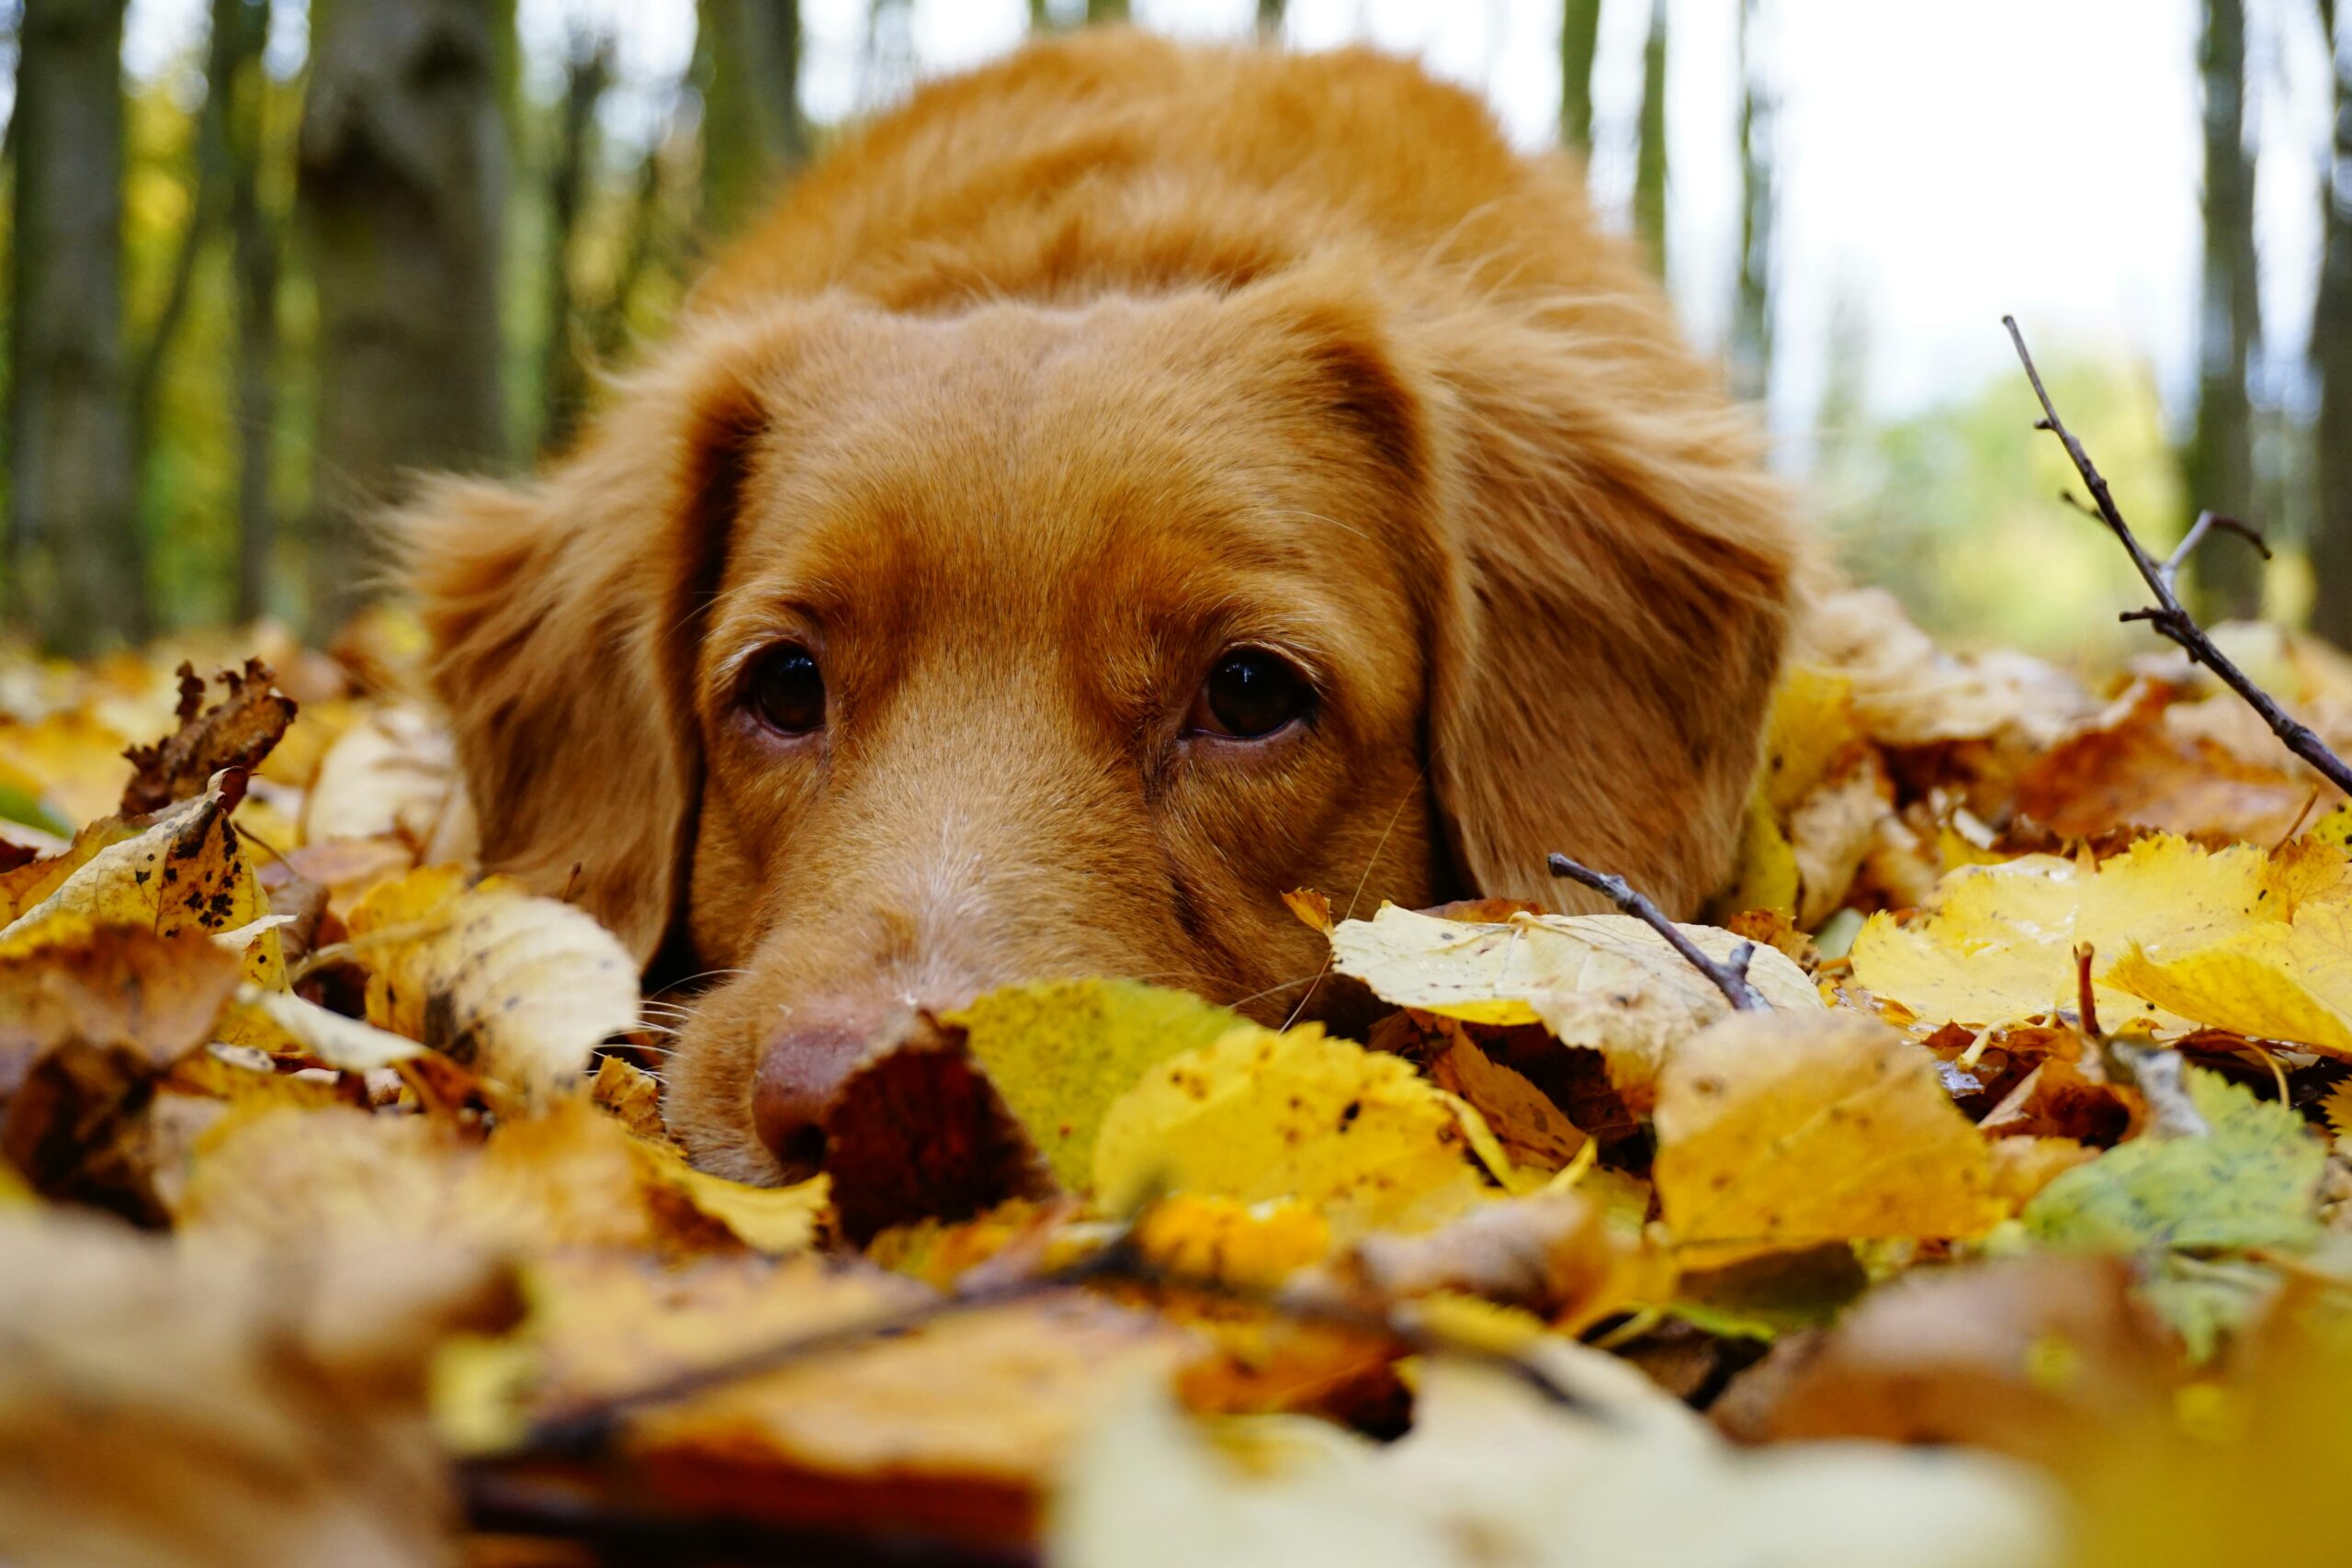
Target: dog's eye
787,690
1249,694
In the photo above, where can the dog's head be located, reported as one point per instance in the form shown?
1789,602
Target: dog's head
872,659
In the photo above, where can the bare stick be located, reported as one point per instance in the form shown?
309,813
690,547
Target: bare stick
1730,975
2166,616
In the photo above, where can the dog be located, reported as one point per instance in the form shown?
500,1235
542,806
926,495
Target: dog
1128,481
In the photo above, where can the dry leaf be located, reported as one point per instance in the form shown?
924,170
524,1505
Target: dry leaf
1604,981
391,774
170,1406
1261,1117
236,732
1781,1130
1494,1472
520,989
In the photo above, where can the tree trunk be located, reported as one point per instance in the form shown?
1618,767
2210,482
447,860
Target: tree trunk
2331,352
748,60
2226,579
1649,153
1751,318
1579,44
80,563
1105,11
255,248
1270,14
203,218
403,191
563,371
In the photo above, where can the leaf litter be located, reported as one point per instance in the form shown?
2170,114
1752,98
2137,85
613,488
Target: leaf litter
1554,1269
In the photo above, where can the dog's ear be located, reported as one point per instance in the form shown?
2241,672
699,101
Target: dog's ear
564,617
1622,571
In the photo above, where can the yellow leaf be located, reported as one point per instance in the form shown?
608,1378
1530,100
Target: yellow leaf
1996,942
1605,981
1251,1246
766,1219
1059,1054
1764,870
1261,1117
1777,1131
29,884
186,872
285,1024
521,989
77,760
1811,721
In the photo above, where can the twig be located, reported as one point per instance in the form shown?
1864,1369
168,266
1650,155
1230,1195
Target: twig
2166,616
1730,975
583,1433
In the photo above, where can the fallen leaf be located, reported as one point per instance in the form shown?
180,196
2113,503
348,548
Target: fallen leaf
2189,1209
1260,1117
77,760
1535,1134
919,1132
391,774
1777,1131
236,732
2034,1358
1997,944
1060,1052
520,989
1604,981
2132,769
954,1428
1492,1471
168,1405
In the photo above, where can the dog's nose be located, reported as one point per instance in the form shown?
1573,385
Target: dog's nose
800,1070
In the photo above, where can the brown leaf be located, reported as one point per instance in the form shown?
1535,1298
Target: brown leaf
2033,1356
162,1405
2136,769
1535,1132
89,1016
237,732
918,1132
953,1429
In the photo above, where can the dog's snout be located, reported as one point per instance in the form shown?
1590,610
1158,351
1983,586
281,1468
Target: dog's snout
800,1071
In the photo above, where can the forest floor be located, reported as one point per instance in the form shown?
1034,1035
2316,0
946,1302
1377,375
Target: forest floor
2000,1117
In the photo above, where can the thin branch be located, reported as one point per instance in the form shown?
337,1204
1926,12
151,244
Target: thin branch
1730,975
2166,616
584,1432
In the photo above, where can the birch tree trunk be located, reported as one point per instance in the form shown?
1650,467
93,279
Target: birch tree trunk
80,565
403,187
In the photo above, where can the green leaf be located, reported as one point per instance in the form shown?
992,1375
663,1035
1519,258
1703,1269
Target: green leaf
20,805
2190,1209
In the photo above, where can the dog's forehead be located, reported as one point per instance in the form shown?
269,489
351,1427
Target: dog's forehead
1017,456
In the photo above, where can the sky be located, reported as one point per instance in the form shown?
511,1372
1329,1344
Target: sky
1940,164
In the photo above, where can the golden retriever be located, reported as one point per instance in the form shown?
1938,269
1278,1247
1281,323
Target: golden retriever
1124,483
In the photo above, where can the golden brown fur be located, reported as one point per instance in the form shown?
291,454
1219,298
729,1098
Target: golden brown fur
1027,403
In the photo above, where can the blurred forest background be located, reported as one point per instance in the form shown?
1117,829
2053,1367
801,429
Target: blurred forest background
265,257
